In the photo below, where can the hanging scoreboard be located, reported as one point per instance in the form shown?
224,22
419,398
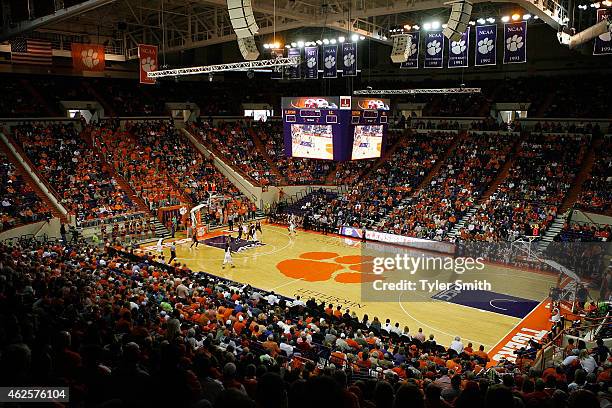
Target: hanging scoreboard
334,128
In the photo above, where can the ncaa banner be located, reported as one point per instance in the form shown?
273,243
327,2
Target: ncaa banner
486,45
330,55
277,72
434,50
458,51
603,43
349,59
311,55
293,71
515,43
147,56
87,57
413,55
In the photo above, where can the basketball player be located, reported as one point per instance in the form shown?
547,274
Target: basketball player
172,253
292,225
194,239
239,231
258,227
227,258
160,248
245,231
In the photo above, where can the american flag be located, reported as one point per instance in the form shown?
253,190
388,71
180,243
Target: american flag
28,51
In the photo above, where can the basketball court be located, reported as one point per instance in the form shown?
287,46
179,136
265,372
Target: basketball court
328,268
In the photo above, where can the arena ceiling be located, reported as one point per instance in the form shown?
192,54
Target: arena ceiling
185,24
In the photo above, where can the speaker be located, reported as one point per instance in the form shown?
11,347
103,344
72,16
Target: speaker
242,18
401,48
458,21
248,48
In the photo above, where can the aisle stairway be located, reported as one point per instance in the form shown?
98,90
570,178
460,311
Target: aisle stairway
552,231
27,176
584,173
262,150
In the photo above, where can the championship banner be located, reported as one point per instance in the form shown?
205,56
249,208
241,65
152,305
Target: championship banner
458,51
88,57
603,43
434,50
277,72
413,54
515,43
311,55
486,45
147,55
349,59
330,55
293,71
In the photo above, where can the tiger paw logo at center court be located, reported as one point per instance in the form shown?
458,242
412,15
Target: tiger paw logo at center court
323,266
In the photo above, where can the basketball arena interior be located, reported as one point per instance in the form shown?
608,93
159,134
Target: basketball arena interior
296,203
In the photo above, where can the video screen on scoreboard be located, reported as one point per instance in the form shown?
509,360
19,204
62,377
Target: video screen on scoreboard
367,142
312,141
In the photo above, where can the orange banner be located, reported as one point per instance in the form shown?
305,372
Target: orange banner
147,55
88,57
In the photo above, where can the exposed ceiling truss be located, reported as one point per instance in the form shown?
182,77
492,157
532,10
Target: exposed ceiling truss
178,25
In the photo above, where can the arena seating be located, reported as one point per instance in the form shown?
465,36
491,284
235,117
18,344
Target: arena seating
135,325
74,170
19,204
530,196
462,179
235,144
596,193
162,166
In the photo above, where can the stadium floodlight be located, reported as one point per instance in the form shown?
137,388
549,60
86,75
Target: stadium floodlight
416,27
435,25
319,42
427,26
461,90
288,46
526,17
300,44
325,41
481,21
266,46
515,17
294,45
341,39
354,37
234,66
505,19
490,20
332,41
361,37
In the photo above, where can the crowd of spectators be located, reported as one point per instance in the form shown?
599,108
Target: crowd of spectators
162,165
527,201
235,143
370,199
463,177
74,170
596,194
126,330
19,204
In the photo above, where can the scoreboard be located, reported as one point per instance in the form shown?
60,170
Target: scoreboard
334,128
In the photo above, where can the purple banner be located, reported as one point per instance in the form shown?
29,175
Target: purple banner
413,54
434,50
293,71
349,59
311,55
277,72
603,43
458,51
330,56
515,43
486,45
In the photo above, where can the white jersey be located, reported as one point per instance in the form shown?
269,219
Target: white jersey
254,235
228,256
160,247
